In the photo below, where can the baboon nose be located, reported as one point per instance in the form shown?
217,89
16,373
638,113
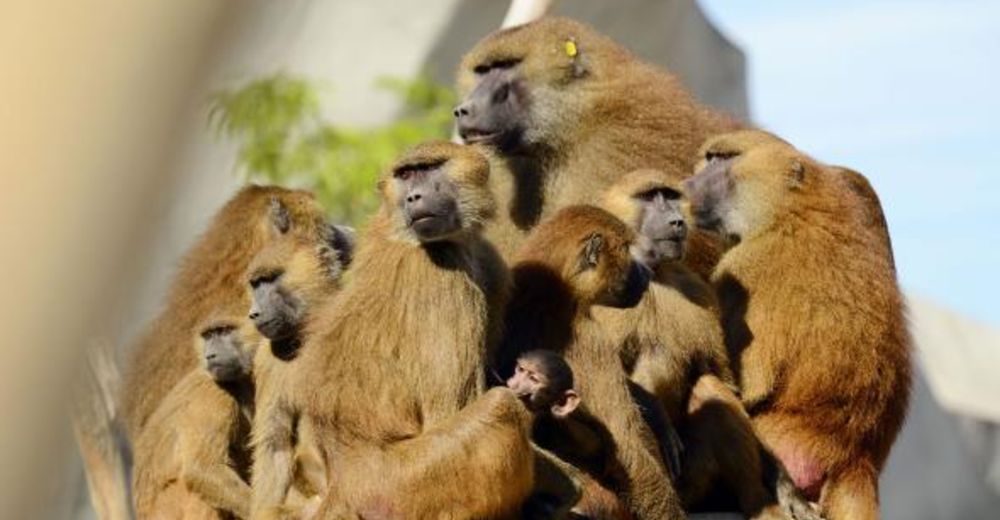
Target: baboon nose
254,315
413,197
463,110
677,224
210,357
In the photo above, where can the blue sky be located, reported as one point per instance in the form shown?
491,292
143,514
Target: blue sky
907,92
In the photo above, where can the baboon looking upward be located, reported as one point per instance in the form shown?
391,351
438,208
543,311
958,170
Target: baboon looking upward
391,372
579,259
211,276
812,315
569,111
192,460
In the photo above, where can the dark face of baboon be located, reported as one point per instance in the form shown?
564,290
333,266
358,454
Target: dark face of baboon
437,191
543,380
275,312
661,225
495,111
708,190
227,354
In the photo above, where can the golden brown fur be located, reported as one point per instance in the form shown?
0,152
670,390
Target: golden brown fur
192,459
813,319
211,275
672,344
391,372
551,309
311,273
593,117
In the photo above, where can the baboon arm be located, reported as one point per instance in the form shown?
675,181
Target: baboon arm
273,456
219,486
483,446
650,493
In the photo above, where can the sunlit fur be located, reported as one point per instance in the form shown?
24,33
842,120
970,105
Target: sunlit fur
312,275
552,308
211,275
392,373
590,119
192,458
813,319
672,343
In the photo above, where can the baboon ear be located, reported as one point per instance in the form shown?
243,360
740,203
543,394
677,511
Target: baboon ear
591,254
566,404
280,218
342,239
797,175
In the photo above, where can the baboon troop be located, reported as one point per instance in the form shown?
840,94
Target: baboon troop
607,301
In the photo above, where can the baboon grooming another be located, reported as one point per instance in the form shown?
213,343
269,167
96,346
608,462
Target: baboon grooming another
391,373
578,259
211,276
811,313
192,460
569,111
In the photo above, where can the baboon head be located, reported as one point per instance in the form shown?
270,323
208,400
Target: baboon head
438,192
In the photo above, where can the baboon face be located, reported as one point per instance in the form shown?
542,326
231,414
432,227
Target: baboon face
544,382
740,194
275,311
439,191
227,355
515,83
661,226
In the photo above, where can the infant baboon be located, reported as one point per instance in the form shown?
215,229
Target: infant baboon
192,459
543,380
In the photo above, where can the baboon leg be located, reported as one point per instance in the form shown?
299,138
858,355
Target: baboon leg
851,494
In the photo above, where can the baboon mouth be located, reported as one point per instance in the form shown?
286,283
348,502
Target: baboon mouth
475,135
418,218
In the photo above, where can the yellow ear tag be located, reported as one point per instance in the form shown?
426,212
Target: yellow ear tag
571,48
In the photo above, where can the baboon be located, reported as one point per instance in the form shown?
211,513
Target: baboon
287,281
543,380
391,372
812,316
578,259
210,276
192,459
673,348
569,111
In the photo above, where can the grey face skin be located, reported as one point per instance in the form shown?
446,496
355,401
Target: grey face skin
662,229
494,111
707,189
274,312
226,358
428,201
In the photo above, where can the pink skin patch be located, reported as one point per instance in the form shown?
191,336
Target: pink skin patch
807,474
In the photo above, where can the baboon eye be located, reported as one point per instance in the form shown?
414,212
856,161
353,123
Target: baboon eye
407,171
216,331
712,156
666,193
268,277
503,64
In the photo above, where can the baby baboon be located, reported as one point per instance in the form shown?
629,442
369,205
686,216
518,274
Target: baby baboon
211,276
192,459
569,111
543,380
391,373
578,259
812,316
